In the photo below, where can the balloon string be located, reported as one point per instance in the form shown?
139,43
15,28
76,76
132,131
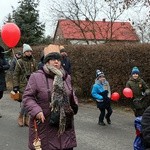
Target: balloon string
7,51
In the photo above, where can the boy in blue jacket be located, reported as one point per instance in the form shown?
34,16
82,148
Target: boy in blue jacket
101,94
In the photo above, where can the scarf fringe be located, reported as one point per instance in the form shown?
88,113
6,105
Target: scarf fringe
59,98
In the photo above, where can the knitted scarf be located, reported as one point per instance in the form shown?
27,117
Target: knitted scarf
59,98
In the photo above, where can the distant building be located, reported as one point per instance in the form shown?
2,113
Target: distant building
92,32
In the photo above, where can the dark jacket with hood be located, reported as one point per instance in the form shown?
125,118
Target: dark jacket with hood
140,100
3,66
66,64
138,86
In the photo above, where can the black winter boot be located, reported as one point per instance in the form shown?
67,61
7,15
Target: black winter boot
101,123
108,120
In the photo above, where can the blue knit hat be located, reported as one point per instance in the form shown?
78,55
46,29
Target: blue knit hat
135,70
99,73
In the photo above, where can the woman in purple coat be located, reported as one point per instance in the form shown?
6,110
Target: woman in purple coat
47,90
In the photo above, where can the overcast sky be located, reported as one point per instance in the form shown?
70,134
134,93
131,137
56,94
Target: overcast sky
6,9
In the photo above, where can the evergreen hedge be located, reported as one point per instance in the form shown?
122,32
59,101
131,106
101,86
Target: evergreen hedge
116,60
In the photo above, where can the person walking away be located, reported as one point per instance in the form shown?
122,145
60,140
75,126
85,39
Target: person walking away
25,66
141,92
65,60
14,61
50,89
3,67
101,94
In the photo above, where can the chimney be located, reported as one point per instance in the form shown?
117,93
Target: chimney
104,19
87,19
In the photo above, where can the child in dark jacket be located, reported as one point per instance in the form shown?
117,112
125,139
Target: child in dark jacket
101,94
140,91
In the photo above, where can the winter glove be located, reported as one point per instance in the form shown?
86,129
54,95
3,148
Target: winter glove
27,76
104,94
74,108
146,93
16,89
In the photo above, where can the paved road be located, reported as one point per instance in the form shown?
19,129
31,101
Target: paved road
90,136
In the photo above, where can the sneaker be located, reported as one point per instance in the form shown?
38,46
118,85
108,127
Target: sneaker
102,123
108,120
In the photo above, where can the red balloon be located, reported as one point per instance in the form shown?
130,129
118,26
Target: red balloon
127,92
115,96
10,34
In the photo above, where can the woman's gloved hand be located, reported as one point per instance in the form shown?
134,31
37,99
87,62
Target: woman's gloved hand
16,89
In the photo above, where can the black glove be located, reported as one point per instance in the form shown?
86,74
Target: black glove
16,89
75,108
104,94
27,76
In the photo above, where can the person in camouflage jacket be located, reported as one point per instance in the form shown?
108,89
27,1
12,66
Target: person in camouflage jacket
24,68
140,91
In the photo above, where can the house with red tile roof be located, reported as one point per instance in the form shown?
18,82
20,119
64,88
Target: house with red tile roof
93,32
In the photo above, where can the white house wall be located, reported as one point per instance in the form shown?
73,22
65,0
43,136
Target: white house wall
82,42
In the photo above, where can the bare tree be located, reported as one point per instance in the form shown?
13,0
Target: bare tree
91,10
141,18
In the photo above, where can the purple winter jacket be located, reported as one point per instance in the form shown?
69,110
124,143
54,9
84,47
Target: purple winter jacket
35,100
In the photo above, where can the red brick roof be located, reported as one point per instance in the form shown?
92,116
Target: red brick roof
120,30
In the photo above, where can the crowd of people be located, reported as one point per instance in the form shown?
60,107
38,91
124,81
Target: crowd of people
46,94
140,104
43,87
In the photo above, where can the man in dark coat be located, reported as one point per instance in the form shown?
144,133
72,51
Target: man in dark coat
140,91
3,66
65,60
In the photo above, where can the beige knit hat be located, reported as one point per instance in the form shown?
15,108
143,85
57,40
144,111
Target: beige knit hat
51,51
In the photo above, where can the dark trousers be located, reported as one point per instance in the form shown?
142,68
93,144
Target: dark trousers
1,94
102,113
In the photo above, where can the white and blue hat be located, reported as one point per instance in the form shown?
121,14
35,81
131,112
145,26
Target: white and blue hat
99,73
